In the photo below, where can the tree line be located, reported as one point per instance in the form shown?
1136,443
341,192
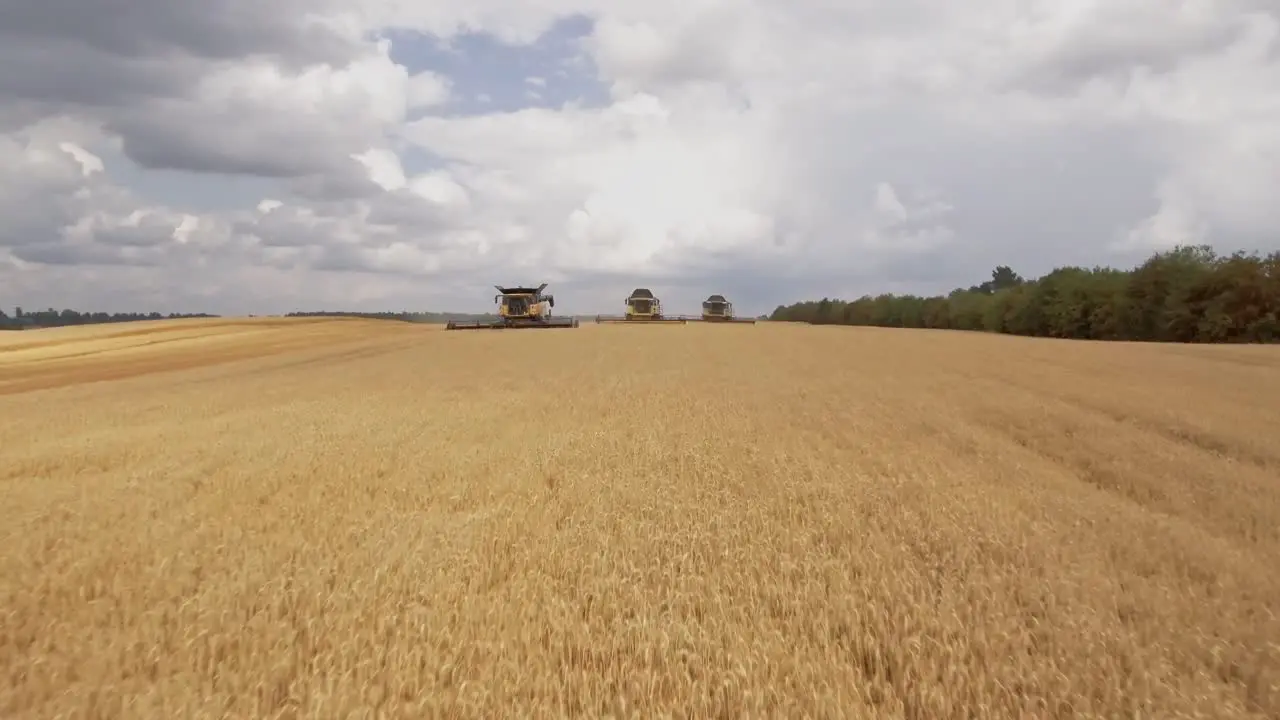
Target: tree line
1189,294
21,320
26,320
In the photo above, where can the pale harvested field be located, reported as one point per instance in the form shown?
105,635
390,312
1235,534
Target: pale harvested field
353,519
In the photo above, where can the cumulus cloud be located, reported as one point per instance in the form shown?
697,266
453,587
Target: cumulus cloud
427,90
769,151
255,117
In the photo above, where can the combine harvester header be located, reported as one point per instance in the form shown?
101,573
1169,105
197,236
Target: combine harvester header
642,307
520,308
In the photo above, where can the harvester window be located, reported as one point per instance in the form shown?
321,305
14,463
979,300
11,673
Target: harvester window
641,306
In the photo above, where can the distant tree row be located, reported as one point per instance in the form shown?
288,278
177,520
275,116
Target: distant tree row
23,320
58,318
1188,294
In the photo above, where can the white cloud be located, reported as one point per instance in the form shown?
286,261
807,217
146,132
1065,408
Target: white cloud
1174,223
888,205
383,166
806,148
256,116
427,89
89,163
439,188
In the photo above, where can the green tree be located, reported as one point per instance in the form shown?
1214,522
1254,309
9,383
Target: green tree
1188,294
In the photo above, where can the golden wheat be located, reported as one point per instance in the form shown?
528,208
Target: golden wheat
354,519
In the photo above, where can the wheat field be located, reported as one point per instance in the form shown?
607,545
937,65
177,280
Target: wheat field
275,518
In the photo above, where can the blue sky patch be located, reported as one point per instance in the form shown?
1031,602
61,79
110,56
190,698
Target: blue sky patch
489,76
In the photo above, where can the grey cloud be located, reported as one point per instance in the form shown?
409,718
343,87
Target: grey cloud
1033,199
68,253
1061,197
16,113
72,74
319,228
48,254
28,218
404,209
151,231
214,29
1114,46
284,227
346,180
135,64
283,258
182,135
1029,198
37,200
116,54
700,51
342,258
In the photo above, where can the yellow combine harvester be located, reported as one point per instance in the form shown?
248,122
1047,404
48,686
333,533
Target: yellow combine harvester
642,307
520,308
717,309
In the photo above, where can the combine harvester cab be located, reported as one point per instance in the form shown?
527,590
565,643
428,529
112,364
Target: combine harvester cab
520,308
642,307
717,309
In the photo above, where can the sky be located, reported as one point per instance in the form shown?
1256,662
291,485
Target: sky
237,157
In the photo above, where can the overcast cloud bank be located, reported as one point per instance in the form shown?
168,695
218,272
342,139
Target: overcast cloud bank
232,157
